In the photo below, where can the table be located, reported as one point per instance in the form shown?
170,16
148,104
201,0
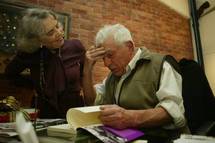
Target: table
82,137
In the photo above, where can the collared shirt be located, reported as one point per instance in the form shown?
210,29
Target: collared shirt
169,93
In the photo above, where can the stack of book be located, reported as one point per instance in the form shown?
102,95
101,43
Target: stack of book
9,129
63,130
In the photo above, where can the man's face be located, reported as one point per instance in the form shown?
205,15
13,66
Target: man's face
117,56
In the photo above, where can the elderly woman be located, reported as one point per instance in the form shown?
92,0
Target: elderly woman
55,64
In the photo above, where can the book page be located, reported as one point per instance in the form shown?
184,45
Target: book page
66,128
83,116
89,109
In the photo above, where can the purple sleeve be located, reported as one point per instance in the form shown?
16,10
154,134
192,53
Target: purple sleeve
18,64
80,50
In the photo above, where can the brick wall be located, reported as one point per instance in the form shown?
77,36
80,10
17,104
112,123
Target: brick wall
152,24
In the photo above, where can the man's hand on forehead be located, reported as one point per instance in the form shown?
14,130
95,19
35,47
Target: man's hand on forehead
94,53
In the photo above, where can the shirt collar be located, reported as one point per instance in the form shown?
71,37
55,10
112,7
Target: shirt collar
134,60
142,53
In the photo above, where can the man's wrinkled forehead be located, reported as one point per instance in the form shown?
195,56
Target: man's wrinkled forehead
109,43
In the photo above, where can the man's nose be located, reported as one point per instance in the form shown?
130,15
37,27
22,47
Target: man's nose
107,61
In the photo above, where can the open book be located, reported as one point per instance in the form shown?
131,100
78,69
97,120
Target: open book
87,118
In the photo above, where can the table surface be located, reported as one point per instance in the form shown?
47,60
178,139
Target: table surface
82,137
44,138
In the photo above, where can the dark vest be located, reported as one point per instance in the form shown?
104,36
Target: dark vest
140,86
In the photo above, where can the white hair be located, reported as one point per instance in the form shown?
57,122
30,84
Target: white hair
119,32
31,28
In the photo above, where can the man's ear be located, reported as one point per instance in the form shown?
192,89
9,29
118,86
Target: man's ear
130,45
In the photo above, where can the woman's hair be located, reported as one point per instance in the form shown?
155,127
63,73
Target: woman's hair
119,32
31,28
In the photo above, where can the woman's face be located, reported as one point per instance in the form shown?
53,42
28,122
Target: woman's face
54,34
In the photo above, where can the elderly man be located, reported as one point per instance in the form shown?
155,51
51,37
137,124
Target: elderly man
141,91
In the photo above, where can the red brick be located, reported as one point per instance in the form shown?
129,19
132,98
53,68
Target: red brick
152,24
